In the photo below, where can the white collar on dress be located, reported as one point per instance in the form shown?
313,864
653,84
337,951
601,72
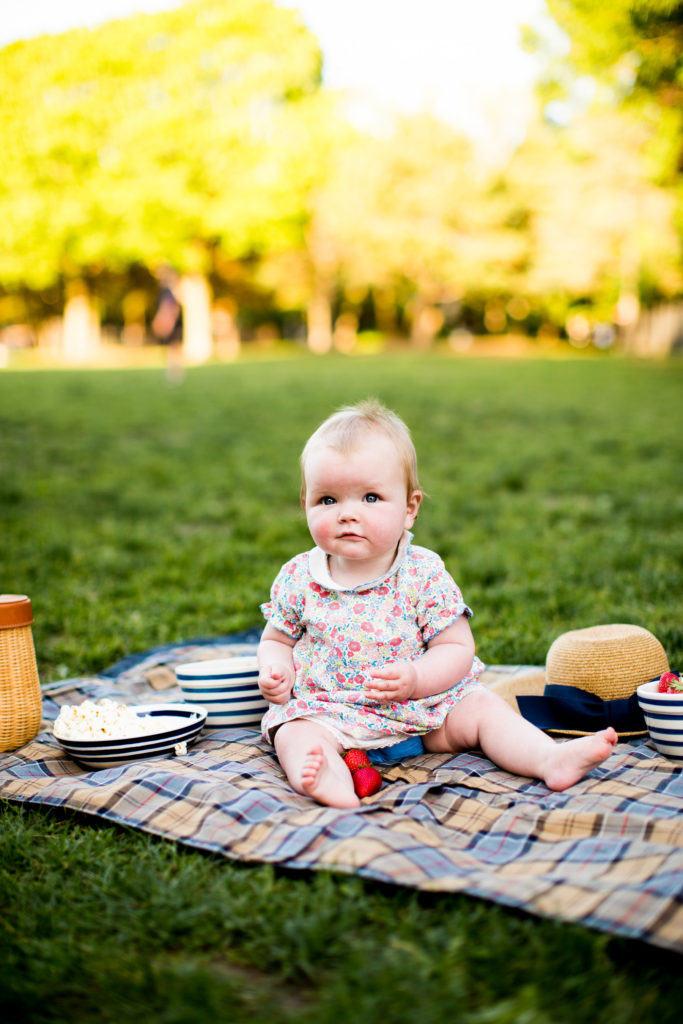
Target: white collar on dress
319,570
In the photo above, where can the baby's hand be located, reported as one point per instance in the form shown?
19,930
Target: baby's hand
395,682
276,682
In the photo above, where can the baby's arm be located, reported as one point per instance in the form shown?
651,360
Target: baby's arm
276,665
446,661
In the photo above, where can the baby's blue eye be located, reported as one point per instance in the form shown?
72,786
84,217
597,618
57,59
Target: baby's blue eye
371,498
327,500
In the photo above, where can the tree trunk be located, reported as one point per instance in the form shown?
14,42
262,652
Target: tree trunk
225,329
656,333
195,299
346,332
319,316
427,321
81,324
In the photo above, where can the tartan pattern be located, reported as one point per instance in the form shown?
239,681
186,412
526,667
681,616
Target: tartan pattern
607,854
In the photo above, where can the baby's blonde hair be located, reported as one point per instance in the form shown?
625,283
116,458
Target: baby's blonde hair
344,431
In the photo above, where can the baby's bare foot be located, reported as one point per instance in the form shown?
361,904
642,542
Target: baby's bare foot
320,781
570,761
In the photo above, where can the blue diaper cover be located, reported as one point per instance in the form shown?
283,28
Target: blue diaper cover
412,747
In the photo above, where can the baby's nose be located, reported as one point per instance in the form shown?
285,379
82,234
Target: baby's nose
347,510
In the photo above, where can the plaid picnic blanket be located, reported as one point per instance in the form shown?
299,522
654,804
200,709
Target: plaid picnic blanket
608,853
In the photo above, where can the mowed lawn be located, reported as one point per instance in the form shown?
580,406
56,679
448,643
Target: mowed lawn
136,513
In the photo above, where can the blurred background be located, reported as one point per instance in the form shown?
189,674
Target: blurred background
220,177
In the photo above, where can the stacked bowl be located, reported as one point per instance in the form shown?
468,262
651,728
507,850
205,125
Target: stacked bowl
169,729
664,718
227,688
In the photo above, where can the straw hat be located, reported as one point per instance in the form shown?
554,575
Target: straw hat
590,678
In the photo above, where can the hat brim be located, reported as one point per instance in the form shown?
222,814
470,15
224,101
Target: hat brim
532,683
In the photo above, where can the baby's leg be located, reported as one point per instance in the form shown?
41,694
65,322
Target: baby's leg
483,719
313,763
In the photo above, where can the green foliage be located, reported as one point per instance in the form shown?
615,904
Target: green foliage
146,139
410,210
610,164
135,513
637,44
625,232
636,48
201,137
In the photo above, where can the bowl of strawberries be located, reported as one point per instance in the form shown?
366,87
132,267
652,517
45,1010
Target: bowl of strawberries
661,701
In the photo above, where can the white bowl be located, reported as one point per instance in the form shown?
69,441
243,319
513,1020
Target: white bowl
172,724
664,718
226,687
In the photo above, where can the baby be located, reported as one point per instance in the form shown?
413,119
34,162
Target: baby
368,643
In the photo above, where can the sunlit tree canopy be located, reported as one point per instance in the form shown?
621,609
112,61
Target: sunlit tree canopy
146,138
202,138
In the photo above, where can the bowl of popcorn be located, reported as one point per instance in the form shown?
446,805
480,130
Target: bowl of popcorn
661,701
227,688
107,733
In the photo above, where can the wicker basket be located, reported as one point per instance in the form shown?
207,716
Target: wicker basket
20,696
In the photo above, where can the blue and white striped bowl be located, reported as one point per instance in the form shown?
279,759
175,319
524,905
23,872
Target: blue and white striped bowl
664,718
227,688
170,726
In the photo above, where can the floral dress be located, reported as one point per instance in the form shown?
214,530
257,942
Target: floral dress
341,634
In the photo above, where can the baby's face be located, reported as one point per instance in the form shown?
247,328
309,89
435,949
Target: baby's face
357,505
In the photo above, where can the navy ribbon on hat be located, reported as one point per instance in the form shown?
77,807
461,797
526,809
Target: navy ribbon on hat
569,709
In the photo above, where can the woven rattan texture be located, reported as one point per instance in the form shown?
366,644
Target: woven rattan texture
609,661
20,696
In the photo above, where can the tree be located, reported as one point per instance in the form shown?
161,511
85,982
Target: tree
599,228
636,45
617,91
160,138
634,48
408,218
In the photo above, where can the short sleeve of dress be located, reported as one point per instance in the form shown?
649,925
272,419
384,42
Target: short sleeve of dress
439,599
284,610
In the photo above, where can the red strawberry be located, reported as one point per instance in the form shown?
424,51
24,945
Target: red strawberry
669,683
356,759
366,781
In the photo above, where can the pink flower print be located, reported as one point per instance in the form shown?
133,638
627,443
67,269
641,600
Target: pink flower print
358,609
354,646
368,627
358,679
335,605
396,610
396,642
382,590
302,705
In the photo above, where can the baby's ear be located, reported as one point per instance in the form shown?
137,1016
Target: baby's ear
413,506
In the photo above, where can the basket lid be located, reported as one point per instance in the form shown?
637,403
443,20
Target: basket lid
15,610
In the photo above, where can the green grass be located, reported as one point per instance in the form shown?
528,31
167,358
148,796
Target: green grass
134,513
